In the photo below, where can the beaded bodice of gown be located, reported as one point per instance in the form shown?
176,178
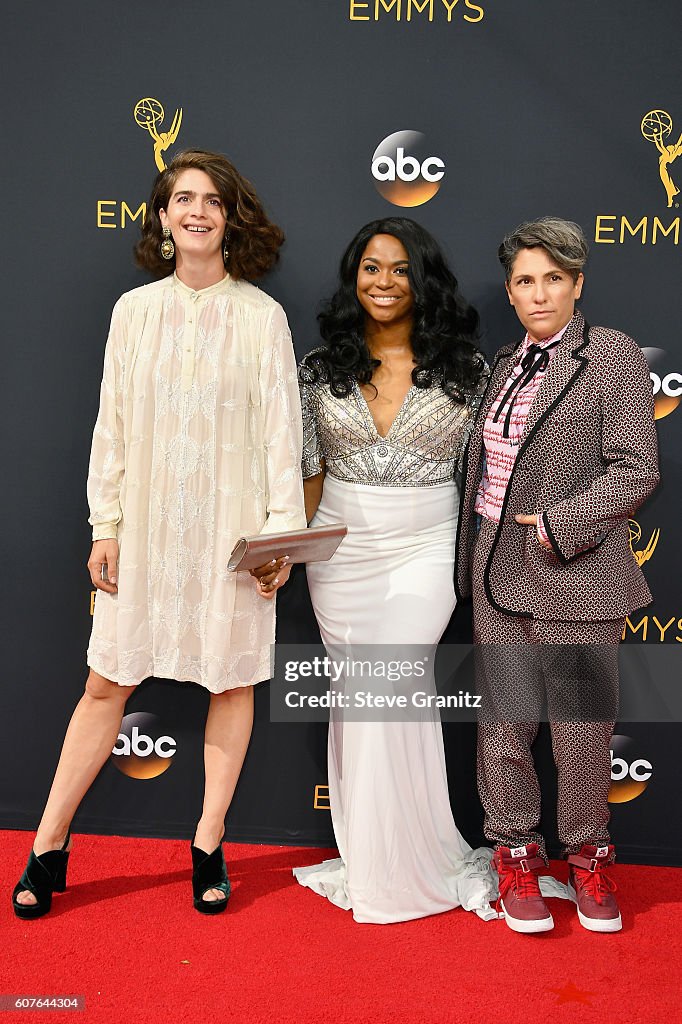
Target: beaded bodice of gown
422,448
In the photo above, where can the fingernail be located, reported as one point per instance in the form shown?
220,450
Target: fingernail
286,558
112,579
273,562
275,581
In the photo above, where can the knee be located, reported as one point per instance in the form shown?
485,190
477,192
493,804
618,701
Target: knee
97,687
238,695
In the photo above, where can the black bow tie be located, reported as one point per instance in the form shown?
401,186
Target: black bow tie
536,360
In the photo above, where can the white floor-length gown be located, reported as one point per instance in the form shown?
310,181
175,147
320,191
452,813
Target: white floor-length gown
390,584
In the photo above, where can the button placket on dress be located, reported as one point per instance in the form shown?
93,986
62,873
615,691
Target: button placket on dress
189,341
186,379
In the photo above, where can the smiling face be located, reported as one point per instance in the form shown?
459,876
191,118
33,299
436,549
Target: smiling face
542,293
383,287
196,217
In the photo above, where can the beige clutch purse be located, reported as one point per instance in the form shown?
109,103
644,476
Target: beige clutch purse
316,544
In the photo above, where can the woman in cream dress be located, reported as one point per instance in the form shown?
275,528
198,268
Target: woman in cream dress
387,406
197,441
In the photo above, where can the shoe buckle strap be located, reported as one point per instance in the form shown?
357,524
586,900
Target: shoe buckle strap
586,863
528,864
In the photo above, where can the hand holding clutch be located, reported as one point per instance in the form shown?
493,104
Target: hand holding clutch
316,544
269,578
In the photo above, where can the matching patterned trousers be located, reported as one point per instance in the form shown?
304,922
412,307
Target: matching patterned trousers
527,669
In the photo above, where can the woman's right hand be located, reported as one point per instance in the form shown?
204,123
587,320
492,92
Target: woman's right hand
104,553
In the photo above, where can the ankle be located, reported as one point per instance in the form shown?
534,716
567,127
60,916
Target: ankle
208,835
50,839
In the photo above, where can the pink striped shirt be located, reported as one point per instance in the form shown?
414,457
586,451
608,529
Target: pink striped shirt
500,451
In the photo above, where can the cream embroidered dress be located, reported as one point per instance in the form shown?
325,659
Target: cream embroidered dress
197,442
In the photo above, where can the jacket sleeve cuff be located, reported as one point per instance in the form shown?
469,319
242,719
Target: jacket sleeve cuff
577,547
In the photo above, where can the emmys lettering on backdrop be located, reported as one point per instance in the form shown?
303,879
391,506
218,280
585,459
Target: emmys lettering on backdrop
649,228
649,628
321,798
149,115
410,11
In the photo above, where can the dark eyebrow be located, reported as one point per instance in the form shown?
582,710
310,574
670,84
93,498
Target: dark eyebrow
373,259
187,192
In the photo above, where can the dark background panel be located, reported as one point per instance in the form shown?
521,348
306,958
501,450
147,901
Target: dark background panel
534,109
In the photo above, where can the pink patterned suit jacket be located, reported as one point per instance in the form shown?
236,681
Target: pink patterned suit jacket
587,459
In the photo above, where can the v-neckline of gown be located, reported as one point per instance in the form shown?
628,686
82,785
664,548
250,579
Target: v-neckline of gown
365,404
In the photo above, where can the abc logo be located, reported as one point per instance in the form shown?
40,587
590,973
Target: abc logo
667,383
140,752
404,172
630,773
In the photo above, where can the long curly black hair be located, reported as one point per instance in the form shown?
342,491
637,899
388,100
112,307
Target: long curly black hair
444,329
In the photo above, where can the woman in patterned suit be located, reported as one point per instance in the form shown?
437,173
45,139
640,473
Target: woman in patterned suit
387,406
197,442
563,451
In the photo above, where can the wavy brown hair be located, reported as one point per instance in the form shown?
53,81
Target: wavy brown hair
254,241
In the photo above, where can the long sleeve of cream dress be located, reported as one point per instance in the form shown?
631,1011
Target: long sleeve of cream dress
197,442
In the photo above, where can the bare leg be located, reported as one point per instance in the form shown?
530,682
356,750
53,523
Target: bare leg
89,740
228,730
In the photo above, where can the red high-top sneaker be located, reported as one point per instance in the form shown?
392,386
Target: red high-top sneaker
520,899
591,888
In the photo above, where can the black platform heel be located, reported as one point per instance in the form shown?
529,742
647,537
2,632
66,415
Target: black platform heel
209,873
43,876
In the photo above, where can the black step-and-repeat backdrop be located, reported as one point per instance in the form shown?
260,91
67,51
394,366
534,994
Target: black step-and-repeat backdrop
469,117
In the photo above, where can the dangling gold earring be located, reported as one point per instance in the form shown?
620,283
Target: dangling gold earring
167,245
226,251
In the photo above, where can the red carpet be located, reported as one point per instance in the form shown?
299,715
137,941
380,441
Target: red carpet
125,936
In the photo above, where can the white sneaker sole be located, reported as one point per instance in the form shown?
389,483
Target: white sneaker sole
545,924
613,924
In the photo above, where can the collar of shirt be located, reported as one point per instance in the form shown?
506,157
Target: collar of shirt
526,343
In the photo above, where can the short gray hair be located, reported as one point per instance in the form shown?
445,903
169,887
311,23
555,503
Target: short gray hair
563,240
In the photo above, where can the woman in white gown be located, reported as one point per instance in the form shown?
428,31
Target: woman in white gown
387,406
197,442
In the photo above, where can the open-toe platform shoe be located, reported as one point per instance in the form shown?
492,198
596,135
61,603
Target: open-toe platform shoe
209,873
43,876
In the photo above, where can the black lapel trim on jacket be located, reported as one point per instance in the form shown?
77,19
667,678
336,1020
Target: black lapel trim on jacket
582,361
502,353
458,531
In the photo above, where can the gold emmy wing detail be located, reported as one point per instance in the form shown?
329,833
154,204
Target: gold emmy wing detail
149,114
642,555
656,126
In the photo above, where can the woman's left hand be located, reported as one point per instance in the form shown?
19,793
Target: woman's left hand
528,520
269,578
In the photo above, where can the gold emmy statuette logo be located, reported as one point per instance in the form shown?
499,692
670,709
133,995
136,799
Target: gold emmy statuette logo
642,555
149,114
657,125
